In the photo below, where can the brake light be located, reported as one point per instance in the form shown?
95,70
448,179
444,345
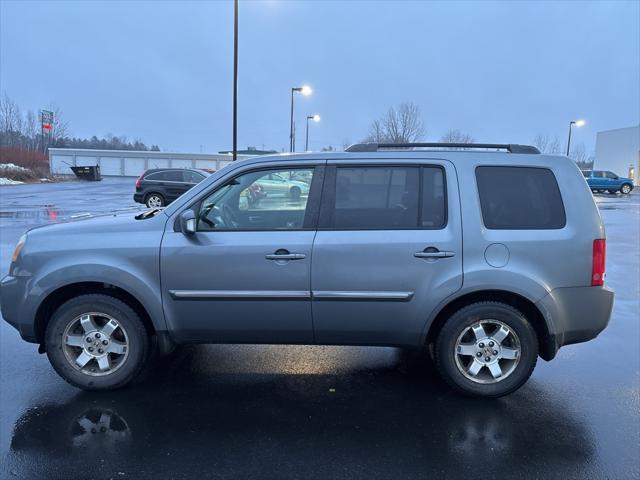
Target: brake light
138,182
599,254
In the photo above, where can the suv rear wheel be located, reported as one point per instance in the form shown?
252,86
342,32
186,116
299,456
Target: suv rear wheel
154,200
486,349
96,342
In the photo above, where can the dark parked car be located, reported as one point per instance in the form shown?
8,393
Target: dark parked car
605,181
158,187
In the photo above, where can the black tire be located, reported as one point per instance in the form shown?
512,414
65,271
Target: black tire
158,197
445,351
295,193
138,341
626,188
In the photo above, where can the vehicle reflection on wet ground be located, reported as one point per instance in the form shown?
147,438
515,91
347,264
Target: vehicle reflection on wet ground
238,411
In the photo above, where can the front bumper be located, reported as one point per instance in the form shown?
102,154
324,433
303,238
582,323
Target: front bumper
13,299
576,314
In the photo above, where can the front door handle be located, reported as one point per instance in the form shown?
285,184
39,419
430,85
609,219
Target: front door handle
434,254
283,254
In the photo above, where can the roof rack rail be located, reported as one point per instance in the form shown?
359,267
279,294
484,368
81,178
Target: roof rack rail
510,147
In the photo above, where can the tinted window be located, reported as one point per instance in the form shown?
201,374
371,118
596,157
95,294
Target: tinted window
192,177
434,211
376,197
173,176
598,174
166,176
611,175
157,176
517,198
261,200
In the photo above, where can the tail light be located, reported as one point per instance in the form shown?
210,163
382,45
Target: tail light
138,182
599,254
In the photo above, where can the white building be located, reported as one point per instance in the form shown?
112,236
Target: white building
619,151
131,163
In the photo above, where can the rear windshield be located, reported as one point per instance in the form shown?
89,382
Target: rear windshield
520,198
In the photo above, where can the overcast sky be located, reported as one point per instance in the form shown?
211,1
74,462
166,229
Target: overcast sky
162,71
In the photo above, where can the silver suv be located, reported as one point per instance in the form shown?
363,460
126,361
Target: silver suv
487,259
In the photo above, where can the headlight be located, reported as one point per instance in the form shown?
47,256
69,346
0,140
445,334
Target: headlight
19,247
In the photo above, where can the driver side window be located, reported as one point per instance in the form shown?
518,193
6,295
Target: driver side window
259,200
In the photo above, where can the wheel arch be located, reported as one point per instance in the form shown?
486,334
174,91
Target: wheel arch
64,293
546,342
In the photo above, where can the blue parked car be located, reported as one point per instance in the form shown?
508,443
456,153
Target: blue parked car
603,180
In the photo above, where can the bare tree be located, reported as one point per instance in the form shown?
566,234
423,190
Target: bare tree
579,155
456,136
398,125
10,121
547,144
60,125
31,131
376,133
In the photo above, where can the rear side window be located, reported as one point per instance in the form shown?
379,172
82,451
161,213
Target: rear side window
520,198
166,176
190,176
387,197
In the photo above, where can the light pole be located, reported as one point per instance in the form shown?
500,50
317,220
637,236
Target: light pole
315,118
235,80
304,90
577,123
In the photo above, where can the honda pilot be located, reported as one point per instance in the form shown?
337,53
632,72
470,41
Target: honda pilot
487,258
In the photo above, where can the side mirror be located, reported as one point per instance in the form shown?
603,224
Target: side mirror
188,222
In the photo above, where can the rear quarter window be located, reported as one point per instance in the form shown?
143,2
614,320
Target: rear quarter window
520,198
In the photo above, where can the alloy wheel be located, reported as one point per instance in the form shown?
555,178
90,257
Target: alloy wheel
95,344
154,201
487,351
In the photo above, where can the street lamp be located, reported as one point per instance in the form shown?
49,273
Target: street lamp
235,81
577,123
306,91
315,118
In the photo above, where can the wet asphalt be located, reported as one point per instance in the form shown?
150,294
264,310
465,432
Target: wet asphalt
233,411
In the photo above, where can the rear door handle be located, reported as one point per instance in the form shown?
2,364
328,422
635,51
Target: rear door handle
437,254
283,254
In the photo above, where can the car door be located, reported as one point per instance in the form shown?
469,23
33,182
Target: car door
387,252
244,276
599,179
613,181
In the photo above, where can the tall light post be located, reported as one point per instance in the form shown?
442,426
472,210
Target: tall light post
306,91
577,123
235,80
315,118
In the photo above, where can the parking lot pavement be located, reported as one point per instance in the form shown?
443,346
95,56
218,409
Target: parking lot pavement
320,412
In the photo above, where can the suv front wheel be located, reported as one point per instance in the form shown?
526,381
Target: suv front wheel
486,349
96,342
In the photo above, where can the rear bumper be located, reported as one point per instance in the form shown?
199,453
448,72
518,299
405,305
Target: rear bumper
138,197
576,314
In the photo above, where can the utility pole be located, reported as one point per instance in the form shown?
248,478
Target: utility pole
235,80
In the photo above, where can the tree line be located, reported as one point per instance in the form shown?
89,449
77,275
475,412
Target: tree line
22,132
404,124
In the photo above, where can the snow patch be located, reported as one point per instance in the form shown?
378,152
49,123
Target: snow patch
13,167
8,181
